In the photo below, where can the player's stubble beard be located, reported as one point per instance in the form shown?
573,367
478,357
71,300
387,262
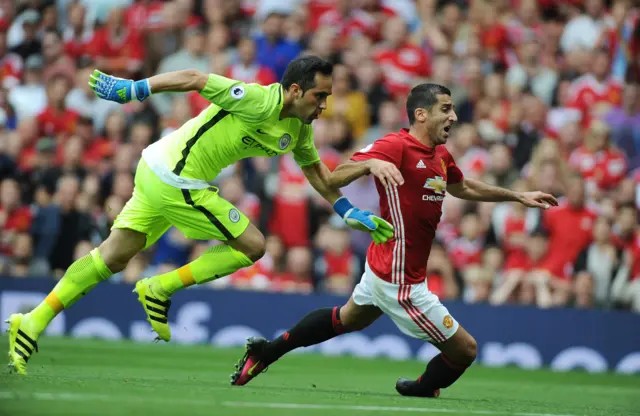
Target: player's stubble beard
313,116
435,133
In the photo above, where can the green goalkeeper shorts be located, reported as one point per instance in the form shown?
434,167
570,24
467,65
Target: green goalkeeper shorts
200,214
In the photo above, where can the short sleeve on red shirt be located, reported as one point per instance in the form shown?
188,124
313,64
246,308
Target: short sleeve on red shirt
388,148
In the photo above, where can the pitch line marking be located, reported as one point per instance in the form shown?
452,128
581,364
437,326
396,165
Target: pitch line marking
379,408
45,396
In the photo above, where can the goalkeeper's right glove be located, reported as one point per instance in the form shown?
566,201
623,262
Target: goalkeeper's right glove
379,229
117,89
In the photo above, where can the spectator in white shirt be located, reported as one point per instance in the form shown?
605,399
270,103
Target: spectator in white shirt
29,98
584,30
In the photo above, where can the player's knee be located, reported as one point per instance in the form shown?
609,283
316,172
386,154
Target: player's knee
353,321
256,250
470,350
115,261
119,248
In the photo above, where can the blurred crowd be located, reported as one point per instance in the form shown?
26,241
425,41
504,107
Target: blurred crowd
546,95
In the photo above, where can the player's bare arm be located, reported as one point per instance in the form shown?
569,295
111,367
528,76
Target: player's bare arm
348,172
179,81
319,177
122,90
475,190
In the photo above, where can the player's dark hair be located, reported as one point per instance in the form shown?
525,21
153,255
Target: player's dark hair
303,70
424,96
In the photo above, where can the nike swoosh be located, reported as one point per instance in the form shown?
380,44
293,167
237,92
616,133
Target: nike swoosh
250,372
261,132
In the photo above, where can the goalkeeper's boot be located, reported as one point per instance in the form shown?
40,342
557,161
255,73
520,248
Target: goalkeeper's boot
413,388
253,362
156,307
22,344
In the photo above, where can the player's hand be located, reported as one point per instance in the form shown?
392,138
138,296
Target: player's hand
360,220
117,89
538,200
386,172
383,232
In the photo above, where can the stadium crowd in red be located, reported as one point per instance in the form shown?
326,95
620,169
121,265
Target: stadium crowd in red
546,94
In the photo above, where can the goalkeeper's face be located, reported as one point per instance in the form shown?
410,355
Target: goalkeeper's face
308,105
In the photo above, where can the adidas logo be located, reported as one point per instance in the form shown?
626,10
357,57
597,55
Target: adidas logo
421,165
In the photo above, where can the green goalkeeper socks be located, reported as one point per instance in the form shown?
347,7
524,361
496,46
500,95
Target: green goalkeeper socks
85,273
216,262
82,276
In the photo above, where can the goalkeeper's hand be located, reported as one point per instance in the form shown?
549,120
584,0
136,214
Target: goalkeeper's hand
379,229
383,232
117,89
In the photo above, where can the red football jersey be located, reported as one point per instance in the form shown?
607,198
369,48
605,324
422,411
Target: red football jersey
515,256
606,168
121,51
146,16
570,231
464,253
413,208
52,122
402,67
587,92
357,23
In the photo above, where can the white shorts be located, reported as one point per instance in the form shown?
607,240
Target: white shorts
415,310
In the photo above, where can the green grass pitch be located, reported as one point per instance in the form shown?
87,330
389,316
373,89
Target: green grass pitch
91,377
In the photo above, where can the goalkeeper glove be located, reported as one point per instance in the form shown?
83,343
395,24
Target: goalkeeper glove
379,229
117,89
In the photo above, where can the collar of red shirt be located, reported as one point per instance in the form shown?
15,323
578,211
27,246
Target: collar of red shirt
405,133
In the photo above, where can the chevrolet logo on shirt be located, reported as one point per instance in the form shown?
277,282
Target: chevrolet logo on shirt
437,184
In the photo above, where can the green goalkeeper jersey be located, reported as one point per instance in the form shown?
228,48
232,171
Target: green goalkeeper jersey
242,121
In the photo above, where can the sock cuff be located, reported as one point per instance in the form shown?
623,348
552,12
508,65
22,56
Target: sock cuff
244,260
103,270
221,248
335,321
456,367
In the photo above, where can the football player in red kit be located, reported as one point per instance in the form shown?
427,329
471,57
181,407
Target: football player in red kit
413,174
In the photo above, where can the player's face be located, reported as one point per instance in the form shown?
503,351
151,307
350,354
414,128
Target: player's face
310,105
441,117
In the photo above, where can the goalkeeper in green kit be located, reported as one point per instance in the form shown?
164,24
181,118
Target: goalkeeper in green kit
172,187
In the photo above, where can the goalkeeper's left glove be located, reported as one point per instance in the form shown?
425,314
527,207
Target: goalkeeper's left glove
379,229
117,89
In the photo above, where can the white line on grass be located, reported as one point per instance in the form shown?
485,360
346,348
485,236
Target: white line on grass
53,396
8,395
378,408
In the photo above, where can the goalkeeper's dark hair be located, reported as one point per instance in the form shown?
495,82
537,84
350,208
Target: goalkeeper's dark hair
303,70
424,96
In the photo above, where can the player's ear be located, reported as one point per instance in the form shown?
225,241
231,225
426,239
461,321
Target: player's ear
296,90
420,114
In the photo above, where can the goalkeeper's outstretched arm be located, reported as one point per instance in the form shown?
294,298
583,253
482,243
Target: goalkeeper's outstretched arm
386,172
178,81
249,101
319,177
122,90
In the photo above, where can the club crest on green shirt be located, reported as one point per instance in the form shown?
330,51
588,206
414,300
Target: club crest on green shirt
285,140
234,215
